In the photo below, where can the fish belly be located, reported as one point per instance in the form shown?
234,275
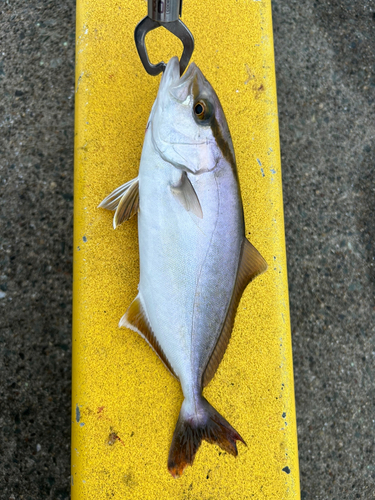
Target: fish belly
188,265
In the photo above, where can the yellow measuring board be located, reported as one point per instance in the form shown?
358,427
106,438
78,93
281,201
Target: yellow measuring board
125,404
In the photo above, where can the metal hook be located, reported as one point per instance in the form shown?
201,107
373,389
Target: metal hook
163,13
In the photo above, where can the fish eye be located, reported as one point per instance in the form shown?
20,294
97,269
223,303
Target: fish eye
199,109
202,111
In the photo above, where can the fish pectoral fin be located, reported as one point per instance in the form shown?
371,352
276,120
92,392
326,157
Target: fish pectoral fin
250,266
186,195
125,200
136,319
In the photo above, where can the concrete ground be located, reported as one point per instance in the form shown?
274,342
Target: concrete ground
325,63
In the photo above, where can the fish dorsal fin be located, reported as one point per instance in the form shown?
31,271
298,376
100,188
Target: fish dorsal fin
136,319
186,195
251,265
125,200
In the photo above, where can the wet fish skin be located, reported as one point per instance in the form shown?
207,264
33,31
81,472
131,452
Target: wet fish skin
195,261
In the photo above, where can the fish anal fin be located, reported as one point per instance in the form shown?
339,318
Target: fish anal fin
186,195
251,265
136,319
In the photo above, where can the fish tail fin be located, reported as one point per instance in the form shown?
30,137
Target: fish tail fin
194,426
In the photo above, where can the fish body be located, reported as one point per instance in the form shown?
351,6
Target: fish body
194,259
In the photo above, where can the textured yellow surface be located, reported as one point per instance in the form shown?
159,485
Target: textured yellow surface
125,403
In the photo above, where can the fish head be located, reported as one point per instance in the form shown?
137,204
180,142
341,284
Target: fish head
188,125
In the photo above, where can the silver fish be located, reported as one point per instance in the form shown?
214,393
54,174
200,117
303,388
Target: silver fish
195,261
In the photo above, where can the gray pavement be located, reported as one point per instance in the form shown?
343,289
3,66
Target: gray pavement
325,62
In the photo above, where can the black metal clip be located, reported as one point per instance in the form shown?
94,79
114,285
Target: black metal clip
163,13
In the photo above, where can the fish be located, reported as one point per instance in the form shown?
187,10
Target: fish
195,261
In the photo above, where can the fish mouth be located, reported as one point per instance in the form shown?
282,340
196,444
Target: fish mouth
171,73
189,74
173,83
